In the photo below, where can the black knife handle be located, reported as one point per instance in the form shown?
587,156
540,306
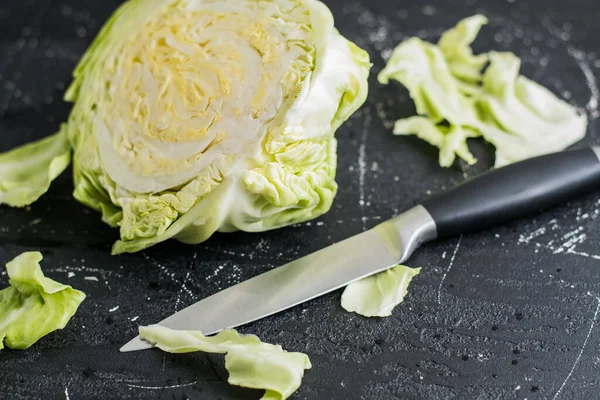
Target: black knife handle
515,191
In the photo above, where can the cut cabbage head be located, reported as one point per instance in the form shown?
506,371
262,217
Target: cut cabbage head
196,116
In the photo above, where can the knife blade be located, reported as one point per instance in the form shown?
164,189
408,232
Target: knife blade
487,200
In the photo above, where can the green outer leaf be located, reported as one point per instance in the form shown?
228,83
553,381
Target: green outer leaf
27,171
455,43
457,98
377,295
423,70
451,141
33,305
250,362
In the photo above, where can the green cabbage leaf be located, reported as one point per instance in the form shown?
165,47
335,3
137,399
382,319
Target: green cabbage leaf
250,362
459,95
377,295
33,305
27,171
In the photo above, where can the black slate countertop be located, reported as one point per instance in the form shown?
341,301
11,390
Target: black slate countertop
507,313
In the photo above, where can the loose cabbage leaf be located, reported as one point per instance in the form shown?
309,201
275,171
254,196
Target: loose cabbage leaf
27,171
521,118
33,305
377,295
459,95
250,362
455,45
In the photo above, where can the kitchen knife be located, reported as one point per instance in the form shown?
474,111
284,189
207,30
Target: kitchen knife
489,199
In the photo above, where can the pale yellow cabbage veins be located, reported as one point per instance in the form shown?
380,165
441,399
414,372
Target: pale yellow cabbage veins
193,116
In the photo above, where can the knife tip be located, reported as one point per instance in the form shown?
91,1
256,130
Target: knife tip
135,344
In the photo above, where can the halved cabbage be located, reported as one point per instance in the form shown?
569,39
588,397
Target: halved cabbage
193,116
196,116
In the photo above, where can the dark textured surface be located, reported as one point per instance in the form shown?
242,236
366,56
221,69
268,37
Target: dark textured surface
507,314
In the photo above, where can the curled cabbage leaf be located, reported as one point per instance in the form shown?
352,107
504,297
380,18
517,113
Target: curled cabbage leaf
459,95
196,116
33,305
377,295
250,362
27,171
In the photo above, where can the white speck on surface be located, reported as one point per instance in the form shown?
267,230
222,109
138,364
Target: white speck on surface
528,237
590,77
180,292
161,387
81,31
585,342
386,54
380,108
113,309
379,35
362,167
428,10
91,278
67,11
569,240
583,254
135,318
67,394
70,274
439,295
582,62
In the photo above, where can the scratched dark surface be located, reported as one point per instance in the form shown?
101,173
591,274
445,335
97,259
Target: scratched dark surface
512,317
